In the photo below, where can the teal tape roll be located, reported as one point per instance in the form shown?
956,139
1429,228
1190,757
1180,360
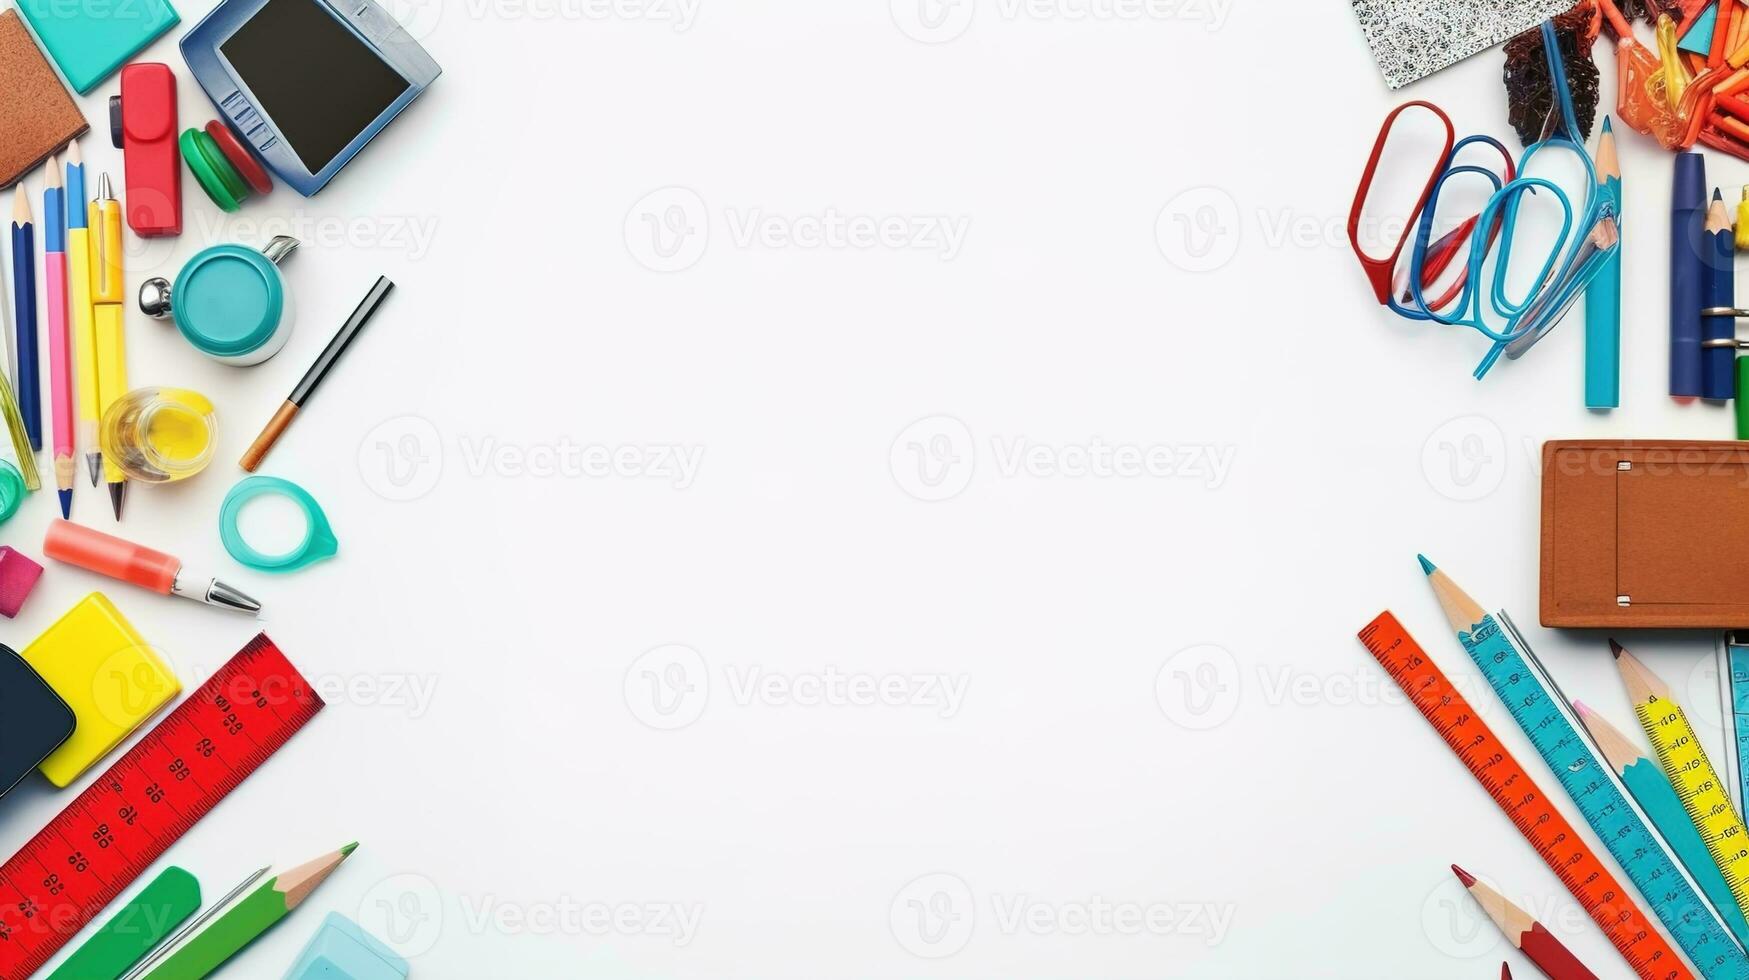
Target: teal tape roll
319,541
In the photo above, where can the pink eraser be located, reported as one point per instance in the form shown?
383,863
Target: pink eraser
18,575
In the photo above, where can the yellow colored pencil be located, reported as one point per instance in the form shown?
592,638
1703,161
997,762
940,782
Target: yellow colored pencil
1691,773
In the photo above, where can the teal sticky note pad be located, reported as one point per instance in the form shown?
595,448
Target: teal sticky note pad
1699,39
90,39
342,950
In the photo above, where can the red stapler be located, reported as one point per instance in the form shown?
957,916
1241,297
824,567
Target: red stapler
142,124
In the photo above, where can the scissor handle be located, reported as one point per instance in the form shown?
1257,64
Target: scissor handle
1434,258
1378,270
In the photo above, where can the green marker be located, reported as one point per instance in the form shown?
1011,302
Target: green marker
252,915
141,924
1742,404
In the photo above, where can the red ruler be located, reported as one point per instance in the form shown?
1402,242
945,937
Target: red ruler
148,799
1530,809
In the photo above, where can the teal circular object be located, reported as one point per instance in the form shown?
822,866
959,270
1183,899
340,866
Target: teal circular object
11,490
318,543
229,300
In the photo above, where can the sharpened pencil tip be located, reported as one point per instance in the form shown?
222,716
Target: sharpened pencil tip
1426,566
66,503
1463,876
117,493
1615,648
348,849
1718,195
1607,128
1579,706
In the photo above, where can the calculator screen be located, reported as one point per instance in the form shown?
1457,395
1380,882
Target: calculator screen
318,82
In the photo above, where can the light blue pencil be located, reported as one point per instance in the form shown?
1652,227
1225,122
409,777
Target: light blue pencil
1603,295
1651,789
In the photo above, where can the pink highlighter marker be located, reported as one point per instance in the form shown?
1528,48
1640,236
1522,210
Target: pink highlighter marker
138,565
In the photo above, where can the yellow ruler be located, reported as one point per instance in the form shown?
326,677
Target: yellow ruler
1691,774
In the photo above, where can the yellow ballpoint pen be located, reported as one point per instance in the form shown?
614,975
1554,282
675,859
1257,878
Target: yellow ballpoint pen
107,319
79,311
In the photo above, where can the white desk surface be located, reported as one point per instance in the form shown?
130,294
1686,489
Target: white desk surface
803,514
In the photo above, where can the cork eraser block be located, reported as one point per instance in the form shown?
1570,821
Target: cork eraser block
37,114
18,575
1645,534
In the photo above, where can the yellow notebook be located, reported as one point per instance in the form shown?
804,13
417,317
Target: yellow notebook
101,666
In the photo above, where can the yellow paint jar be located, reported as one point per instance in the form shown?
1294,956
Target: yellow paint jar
157,435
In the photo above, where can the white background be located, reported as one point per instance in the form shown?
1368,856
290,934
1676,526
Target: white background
540,686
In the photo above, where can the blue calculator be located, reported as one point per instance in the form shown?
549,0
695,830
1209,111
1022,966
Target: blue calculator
305,84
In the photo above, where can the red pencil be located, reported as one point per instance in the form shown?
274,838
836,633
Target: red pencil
1525,933
1505,971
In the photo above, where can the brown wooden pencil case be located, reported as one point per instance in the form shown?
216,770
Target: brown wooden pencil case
1645,533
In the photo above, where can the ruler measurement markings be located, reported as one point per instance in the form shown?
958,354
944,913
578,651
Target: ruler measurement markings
1530,810
162,809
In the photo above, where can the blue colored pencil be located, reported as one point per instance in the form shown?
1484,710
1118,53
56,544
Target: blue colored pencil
1718,364
24,310
1603,295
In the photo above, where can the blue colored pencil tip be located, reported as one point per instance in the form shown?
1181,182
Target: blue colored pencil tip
1606,126
1426,566
66,503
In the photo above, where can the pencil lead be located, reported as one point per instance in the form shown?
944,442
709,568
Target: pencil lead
348,849
66,503
1718,195
94,463
1607,128
117,491
1463,876
1615,648
1426,566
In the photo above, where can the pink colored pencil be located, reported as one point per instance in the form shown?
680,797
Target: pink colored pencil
60,364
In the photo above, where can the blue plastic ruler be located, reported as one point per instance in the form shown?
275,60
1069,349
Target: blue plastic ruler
1540,708
1734,688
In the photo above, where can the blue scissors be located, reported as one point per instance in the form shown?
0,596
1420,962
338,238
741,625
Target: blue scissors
1589,235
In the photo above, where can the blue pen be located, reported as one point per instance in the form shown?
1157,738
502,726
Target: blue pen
24,295
1603,296
1688,262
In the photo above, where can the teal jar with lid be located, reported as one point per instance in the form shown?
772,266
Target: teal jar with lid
229,301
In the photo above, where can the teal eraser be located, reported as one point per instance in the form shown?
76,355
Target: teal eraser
342,950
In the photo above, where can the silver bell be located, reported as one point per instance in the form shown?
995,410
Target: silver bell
155,297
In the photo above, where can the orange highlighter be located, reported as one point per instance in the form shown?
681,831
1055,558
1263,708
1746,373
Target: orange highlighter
138,565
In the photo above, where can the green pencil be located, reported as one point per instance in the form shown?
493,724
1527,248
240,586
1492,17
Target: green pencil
252,915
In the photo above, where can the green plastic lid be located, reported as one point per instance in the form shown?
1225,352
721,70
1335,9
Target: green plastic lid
228,300
11,489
